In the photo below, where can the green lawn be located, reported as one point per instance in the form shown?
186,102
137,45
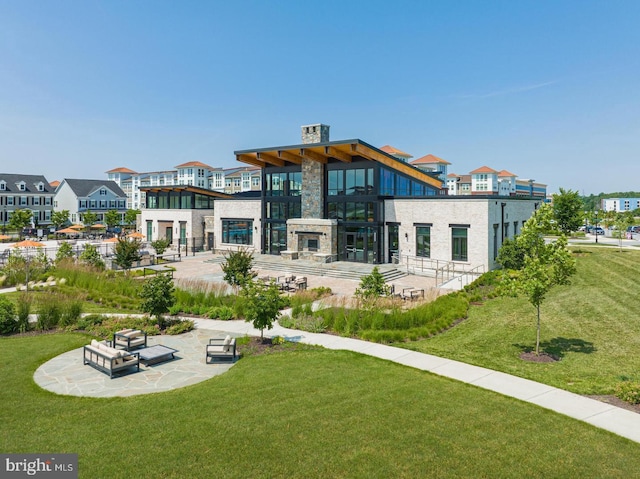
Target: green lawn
593,324
301,413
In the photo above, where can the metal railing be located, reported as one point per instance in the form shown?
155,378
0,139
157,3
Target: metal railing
444,271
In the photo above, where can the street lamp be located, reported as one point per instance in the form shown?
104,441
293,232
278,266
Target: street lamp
596,225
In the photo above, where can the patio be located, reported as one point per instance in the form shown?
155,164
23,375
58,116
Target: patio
65,374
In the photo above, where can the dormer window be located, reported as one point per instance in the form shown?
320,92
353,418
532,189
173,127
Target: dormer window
40,186
3,185
22,186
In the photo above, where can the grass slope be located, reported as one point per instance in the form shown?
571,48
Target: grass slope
593,325
307,413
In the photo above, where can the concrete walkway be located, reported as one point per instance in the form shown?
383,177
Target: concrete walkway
605,416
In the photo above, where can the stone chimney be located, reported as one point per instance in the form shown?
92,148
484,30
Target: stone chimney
317,133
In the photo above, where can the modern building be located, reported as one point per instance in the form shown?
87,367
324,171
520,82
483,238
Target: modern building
26,192
620,204
98,196
240,180
433,164
345,200
179,214
192,173
487,181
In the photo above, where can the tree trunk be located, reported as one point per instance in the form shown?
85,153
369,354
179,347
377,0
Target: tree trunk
538,333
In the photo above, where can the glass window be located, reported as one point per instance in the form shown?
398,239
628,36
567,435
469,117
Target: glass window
423,241
295,210
351,211
459,244
295,183
237,231
403,186
152,202
387,179
369,185
335,211
361,211
336,183
371,212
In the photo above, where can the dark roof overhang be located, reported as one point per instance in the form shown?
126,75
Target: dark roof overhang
343,150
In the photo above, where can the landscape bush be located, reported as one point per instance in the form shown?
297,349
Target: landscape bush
8,319
628,391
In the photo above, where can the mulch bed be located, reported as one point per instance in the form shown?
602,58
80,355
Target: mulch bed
615,401
538,358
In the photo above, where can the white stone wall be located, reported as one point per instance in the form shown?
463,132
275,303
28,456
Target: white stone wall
479,213
237,209
194,220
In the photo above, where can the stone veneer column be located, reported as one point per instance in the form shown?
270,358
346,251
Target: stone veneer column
312,196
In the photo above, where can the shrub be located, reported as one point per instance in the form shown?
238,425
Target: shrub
24,309
179,327
8,320
629,391
372,286
71,313
277,340
49,314
224,313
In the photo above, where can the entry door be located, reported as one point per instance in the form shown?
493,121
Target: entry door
393,241
169,233
355,247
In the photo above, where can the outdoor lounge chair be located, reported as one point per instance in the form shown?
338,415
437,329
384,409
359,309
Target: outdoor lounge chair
221,349
129,339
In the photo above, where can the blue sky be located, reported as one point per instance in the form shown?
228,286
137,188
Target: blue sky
545,89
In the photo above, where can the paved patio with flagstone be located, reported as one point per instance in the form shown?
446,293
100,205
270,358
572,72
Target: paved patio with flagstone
66,374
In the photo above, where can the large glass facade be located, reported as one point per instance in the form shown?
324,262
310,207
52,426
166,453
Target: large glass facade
178,200
237,231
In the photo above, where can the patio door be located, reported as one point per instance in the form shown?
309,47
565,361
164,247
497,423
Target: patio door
355,247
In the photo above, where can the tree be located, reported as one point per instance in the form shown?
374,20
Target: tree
126,252
546,264
567,210
262,303
372,286
112,218
160,245
91,256
89,218
65,252
511,255
158,296
622,223
20,219
237,267
59,218
131,217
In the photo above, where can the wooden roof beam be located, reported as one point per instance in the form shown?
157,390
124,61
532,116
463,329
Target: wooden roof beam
290,157
312,155
335,153
251,160
396,165
272,160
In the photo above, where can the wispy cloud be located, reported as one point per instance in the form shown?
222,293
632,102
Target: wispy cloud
508,91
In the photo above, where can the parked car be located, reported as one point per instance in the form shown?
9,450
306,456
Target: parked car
598,231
